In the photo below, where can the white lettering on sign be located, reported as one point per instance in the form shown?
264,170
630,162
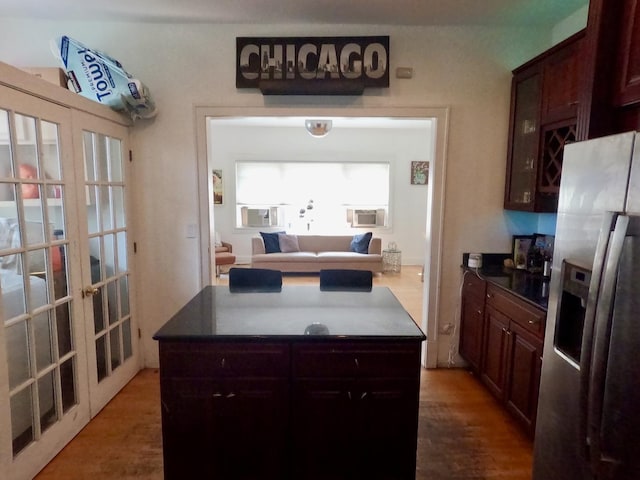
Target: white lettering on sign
303,58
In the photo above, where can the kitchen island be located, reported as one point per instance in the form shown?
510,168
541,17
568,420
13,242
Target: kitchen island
300,384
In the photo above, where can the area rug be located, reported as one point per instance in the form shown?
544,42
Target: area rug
446,449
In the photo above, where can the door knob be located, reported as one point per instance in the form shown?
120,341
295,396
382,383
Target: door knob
90,291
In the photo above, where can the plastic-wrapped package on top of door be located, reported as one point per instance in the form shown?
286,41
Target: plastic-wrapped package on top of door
101,78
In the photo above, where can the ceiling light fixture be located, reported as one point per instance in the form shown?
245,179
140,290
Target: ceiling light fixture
318,128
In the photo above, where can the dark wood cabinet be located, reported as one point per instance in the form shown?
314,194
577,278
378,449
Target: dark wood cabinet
627,84
513,343
354,411
503,345
290,410
225,410
494,366
523,375
472,319
610,78
544,106
561,74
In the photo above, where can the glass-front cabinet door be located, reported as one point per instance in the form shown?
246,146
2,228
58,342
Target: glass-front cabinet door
524,148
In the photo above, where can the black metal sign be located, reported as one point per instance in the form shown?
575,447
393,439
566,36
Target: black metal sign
312,65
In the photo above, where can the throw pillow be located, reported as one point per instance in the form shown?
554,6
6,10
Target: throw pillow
288,243
271,242
360,242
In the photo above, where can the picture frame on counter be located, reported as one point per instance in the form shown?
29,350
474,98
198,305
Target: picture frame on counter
521,245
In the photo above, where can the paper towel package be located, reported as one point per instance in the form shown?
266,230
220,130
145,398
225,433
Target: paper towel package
101,78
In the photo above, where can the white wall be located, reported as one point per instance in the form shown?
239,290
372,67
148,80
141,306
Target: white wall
230,143
465,68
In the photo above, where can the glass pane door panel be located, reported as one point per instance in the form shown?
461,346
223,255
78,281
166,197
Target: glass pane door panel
67,375
22,429
42,335
64,331
107,243
34,294
47,403
18,352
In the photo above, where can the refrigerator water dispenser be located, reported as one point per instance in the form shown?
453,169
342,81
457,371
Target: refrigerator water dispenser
571,311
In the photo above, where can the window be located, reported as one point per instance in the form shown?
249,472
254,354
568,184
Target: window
309,193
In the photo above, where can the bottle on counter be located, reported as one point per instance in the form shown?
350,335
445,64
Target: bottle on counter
535,260
546,267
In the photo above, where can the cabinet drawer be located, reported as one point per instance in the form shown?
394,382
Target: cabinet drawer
356,360
473,285
525,315
215,359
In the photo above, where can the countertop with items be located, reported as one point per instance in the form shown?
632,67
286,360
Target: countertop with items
532,287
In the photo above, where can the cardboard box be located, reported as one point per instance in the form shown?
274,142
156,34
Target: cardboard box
50,74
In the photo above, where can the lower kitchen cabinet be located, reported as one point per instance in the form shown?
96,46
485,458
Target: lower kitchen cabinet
225,428
523,375
472,319
496,344
511,340
290,410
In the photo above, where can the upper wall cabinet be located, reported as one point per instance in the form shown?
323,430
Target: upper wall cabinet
544,101
610,76
627,86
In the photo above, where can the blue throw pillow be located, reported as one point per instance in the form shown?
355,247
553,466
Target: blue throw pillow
360,242
271,242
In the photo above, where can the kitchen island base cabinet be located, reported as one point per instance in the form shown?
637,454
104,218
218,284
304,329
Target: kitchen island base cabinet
225,410
317,411
354,411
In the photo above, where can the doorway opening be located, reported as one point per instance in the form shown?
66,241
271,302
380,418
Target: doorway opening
409,135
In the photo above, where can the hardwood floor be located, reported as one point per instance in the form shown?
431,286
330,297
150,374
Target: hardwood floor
463,433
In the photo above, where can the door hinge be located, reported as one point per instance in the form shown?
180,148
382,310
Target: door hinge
139,334
135,247
130,156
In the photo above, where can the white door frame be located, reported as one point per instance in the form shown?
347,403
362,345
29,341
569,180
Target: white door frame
435,195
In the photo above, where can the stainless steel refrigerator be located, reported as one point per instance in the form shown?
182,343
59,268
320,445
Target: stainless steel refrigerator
588,421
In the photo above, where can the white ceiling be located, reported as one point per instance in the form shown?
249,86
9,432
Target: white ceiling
370,12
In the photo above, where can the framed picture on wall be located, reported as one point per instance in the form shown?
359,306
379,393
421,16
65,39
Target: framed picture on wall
218,191
419,173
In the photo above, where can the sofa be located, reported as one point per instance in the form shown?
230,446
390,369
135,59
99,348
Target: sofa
317,252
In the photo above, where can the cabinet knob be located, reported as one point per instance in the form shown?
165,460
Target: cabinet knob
357,363
479,312
364,394
534,322
489,295
223,362
504,329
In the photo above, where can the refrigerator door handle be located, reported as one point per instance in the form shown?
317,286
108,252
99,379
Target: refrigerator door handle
600,345
608,224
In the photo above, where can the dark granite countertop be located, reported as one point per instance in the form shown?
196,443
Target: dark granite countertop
296,313
531,287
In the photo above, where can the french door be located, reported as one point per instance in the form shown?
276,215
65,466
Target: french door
65,334
106,275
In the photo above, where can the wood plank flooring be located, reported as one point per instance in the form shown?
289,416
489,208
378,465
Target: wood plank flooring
463,433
